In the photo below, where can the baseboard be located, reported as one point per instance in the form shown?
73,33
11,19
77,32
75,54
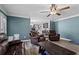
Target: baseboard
64,39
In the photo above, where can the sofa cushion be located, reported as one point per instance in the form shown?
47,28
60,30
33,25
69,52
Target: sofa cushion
14,42
34,40
3,37
2,40
3,47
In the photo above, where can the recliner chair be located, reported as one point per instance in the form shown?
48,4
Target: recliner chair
53,36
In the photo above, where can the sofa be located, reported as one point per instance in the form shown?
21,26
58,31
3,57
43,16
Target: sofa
3,47
9,47
53,36
14,48
3,43
35,38
41,38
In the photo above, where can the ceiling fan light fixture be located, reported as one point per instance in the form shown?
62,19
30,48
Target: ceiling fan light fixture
53,12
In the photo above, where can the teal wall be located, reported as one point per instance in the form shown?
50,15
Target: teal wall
52,25
18,25
69,28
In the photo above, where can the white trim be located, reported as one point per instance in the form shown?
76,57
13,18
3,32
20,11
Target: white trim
19,16
65,39
66,17
3,10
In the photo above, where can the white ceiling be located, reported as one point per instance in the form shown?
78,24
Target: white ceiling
33,11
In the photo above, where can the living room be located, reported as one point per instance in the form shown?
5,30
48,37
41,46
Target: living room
39,29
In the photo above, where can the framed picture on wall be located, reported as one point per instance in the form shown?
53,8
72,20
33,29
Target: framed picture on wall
45,25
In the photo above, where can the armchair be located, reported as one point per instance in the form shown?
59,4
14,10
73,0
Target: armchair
53,36
41,38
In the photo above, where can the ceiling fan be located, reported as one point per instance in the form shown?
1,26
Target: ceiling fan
54,10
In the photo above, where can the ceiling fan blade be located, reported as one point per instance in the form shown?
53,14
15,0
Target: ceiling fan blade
58,14
64,8
44,11
48,15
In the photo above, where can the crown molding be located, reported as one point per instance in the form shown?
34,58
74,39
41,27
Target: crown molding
2,11
19,16
66,18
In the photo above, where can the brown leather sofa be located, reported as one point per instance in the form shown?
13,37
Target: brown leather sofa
41,38
35,38
8,48
3,46
3,43
53,36
14,48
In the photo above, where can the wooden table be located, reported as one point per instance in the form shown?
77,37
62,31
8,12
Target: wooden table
54,49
